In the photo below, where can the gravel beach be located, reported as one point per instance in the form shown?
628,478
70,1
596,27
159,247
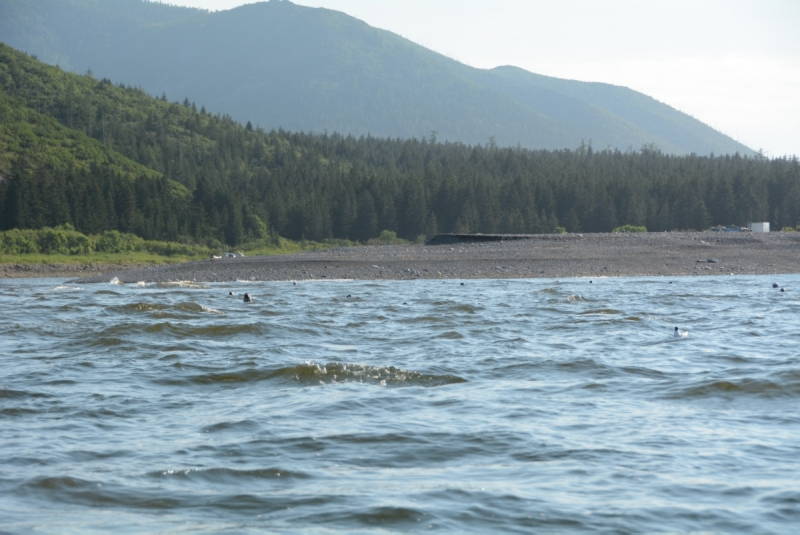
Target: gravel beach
547,255
60,271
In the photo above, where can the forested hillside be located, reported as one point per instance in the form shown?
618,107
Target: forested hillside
281,65
77,150
51,174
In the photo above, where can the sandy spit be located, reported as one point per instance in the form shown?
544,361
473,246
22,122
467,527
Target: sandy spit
547,255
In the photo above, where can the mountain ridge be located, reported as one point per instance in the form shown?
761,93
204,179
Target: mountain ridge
281,65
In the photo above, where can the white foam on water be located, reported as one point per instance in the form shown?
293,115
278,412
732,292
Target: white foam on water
211,310
65,288
181,284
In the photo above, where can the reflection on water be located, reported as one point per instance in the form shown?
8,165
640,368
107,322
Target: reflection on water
493,406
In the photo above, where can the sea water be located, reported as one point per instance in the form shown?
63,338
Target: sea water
476,406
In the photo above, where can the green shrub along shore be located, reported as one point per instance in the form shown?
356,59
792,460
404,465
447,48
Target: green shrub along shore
65,240
64,245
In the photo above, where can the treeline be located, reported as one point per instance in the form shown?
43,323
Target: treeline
92,200
211,180
65,240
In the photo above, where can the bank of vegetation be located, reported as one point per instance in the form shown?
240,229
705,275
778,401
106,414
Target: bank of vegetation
100,157
66,245
65,240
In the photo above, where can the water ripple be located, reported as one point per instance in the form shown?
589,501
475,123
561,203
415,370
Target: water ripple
510,406
320,373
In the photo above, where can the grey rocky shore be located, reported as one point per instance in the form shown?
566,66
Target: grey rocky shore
547,255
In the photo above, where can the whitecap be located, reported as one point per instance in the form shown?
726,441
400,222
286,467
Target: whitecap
181,284
64,288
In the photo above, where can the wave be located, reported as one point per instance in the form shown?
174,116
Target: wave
180,284
784,498
242,425
744,387
229,475
450,335
312,373
385,516
583,366
341,348
94,493
601,311
385,375
584,455
426,319
7,393
163,310
106,292
483,510
66,288
18,411
469,309
182,330
104,341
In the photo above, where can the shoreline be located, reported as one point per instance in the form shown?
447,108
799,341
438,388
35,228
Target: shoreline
58,270
539,256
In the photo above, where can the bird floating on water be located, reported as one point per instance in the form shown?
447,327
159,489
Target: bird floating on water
677,333
246,298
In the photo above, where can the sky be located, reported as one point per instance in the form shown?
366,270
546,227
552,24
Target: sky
733,64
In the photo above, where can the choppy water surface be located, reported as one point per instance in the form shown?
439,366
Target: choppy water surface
492,406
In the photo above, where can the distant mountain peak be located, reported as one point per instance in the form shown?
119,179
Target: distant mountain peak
283,65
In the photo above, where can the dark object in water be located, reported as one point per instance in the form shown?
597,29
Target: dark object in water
774,284
247,298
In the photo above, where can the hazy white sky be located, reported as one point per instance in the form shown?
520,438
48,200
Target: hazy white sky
733,64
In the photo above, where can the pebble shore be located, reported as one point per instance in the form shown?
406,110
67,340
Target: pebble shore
547,255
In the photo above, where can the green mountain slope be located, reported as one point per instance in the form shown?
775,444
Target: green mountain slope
40,140
52,174
77,150
282,65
